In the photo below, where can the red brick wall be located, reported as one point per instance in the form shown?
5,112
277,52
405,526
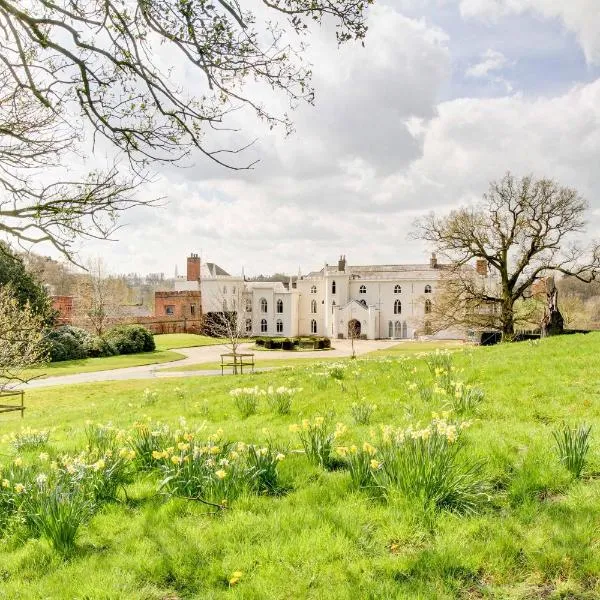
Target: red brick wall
64,306
186,304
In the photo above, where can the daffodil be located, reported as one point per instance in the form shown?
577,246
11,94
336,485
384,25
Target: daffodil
221,474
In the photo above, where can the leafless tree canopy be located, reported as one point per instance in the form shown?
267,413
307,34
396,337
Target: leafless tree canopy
524,229
71,67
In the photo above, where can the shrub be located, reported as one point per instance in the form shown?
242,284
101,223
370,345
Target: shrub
68,343
246,400
287,345
260,341
326,343
130,339
423,466
97,346
572,446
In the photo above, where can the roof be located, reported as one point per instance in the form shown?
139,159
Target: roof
215,270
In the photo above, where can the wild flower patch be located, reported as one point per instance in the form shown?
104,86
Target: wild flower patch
149,397
317,437
216,470
145,438
280,398
464,399
29,439
362,412
421,464
101,437
246,400
362,464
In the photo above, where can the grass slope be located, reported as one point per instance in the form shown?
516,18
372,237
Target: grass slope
172,341
89,365
537,537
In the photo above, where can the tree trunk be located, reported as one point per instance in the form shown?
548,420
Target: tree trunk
508,321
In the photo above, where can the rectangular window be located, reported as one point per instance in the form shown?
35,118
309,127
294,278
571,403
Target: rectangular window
192,309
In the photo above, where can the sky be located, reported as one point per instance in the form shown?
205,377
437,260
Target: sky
445,96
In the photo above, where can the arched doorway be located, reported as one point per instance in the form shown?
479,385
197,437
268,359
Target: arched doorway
353,328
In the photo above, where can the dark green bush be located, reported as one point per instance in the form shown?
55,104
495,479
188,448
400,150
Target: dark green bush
130,339
287,344
98,346
68,343
326,343
260,341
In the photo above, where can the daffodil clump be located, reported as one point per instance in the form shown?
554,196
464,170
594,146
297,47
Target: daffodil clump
317,437
27,439
145,438
362,412
280,398
216,470
246,399
53,497
423,464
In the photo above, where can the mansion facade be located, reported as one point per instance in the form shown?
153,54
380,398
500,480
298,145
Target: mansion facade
338,301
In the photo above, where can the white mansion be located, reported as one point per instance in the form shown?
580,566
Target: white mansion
376,301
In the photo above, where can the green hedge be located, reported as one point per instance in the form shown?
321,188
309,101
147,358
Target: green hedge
73,343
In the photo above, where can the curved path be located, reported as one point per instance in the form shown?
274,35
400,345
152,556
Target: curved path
203,355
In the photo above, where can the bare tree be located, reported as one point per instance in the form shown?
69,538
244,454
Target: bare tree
522,231
230,323
99,298
71,67
22,340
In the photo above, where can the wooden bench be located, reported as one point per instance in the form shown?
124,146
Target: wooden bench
4,396
237,360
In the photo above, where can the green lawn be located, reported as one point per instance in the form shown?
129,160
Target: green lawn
534,534
89,365
172,341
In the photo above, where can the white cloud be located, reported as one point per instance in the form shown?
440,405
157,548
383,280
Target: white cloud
582,17
491,60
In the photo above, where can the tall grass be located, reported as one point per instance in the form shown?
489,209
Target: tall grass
572,447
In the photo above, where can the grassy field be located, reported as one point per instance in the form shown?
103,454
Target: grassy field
172,341
165,343
89,365
513,523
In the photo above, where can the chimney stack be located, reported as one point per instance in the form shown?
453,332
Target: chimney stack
193,267
342,263
433,261
481,267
